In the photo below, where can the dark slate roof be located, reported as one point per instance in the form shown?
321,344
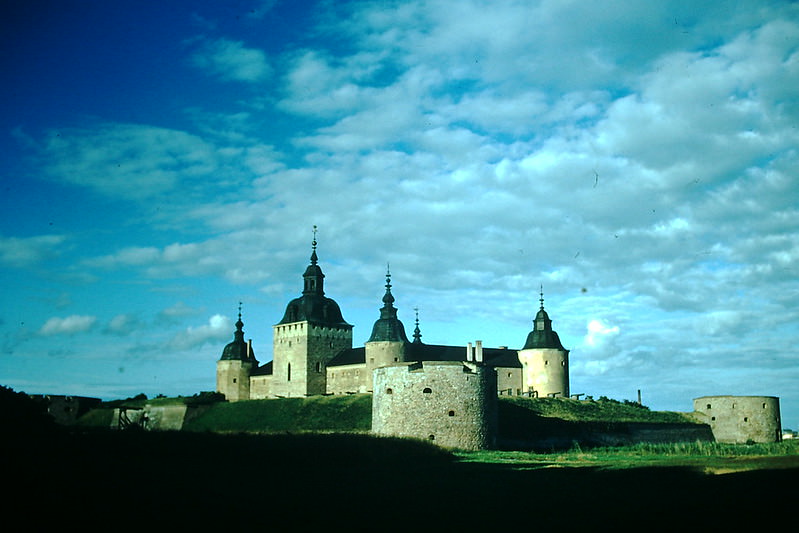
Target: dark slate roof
263,370
314,308
350,356
388,327
238,349
416,351
543,336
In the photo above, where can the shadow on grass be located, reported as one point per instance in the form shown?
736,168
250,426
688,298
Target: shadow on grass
362,483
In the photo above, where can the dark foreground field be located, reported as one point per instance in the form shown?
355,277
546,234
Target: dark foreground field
170,480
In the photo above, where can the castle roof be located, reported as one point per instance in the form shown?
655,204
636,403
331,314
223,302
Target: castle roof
239,349
417,351
313,306
542,335
388,327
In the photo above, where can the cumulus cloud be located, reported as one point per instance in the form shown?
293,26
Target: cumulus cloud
217,329
232,61
28,251
68,325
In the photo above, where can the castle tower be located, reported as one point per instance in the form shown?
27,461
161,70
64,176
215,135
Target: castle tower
235,366
310,334
387,344
545,362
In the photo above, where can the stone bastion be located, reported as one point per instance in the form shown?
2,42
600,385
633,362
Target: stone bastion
741,419
451,403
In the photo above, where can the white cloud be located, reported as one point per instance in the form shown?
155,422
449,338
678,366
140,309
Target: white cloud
24,252
232,61
216,330
599,333
68,325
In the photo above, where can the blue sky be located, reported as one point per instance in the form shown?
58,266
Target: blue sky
162,162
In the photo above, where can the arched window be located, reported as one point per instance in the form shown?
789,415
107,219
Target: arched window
451,413
389,391
288,372
427,390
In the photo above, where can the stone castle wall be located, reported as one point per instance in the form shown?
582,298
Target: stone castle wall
741,419
347,379
451,403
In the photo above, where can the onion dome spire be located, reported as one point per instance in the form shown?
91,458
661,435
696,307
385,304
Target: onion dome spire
542,336
239,349
417,334
388,327
313,306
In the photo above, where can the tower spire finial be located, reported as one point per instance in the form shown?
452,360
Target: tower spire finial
314,258
541,299
417,334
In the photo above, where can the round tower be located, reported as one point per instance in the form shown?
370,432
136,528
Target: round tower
545,362
235,366
387,343
450,403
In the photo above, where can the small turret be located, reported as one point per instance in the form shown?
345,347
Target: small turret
234,368
545,362
388,342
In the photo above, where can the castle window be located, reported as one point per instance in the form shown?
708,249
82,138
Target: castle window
389,391
431,437
234,380
427,390
318,366
746,419
546,363
764,406
712,418
563,363
288,372
451,413
708,406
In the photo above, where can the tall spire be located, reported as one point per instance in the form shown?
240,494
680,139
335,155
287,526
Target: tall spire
541,299
417,334
388,298
314,258
388,327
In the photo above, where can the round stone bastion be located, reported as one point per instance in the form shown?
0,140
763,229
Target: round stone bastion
741,419
451,403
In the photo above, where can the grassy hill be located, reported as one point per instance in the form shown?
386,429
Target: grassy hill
352,413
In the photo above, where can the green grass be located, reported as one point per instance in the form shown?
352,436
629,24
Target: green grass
352,413
709,457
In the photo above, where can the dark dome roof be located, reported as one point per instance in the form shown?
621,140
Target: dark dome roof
238,350
314,308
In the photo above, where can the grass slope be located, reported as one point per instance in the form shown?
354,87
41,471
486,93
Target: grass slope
319,413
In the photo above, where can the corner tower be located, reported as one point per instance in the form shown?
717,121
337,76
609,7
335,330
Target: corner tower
234,368
310,334
387,344
545,362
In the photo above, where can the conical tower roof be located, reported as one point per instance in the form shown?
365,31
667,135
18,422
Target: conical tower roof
239,349
543,336
313,306
388,327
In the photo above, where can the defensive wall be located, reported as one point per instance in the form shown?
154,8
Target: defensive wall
741,419
451,403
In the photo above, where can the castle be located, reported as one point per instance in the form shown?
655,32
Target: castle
445,394
313,352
